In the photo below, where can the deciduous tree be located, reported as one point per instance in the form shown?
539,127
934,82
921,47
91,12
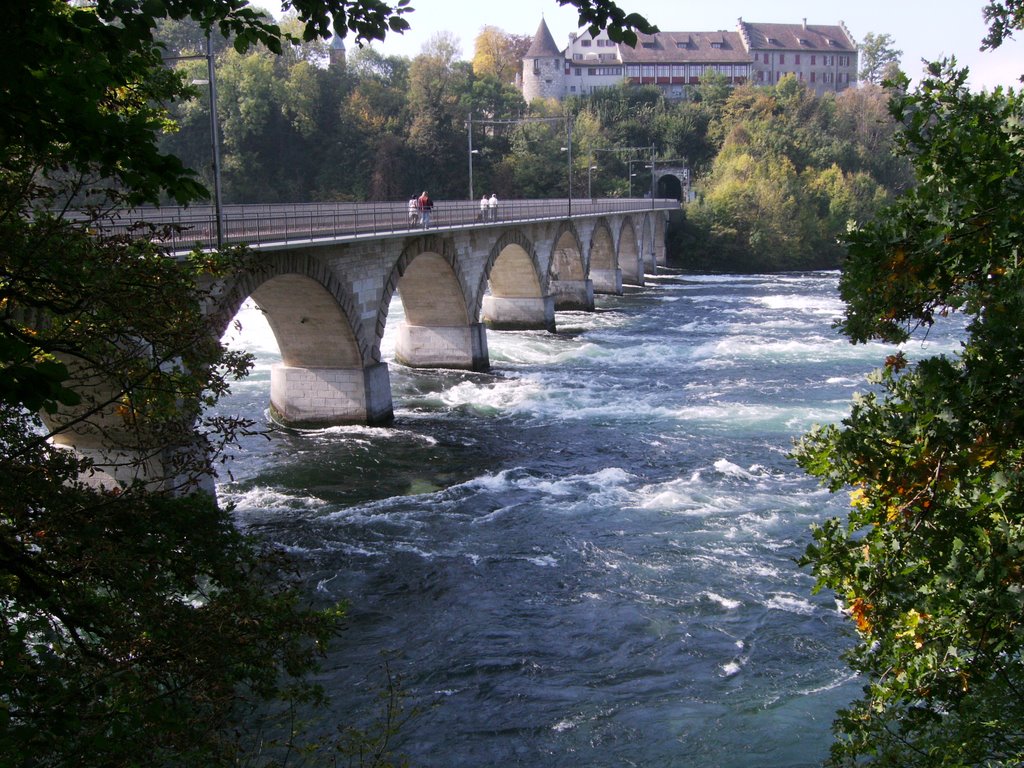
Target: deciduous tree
499,54
930,560
877,58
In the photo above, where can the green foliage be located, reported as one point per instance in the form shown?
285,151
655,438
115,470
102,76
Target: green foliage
930,560
877,58
605,14
793,172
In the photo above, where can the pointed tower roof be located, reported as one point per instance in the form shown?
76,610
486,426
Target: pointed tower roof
543,46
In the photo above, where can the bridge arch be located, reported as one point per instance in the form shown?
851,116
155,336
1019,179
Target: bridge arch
604,268
567,271
629,255
518,295
648,256
329,373
440,328
311,312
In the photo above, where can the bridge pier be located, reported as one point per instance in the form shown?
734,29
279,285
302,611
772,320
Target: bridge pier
522,313
577,295
454,346
322,397
607,281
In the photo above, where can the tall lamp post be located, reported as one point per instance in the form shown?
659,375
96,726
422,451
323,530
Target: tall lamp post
471,152
567,148
215,140
211,80
653,177
631,175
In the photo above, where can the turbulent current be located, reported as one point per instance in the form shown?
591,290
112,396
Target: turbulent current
587,556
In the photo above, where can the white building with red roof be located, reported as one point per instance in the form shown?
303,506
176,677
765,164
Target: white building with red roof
823,57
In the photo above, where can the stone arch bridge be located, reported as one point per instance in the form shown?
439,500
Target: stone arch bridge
325,278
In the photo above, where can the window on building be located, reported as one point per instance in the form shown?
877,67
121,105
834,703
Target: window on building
579,71
585,43
647,70
536,66
782,58
572,89
813,75
796,58
812,59
678,70
649,45
766,58
633,70
577,57
663,70
716,45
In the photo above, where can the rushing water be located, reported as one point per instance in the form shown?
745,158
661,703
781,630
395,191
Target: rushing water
587,556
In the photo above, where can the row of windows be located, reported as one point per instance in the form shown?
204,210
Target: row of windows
827,61
595,71
815,77
686,70
585,42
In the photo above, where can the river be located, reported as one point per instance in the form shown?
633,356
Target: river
587,556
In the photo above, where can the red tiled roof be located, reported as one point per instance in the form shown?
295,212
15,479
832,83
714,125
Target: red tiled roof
694,47
797,37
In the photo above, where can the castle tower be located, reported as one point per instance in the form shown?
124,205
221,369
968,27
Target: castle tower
337,52
543,67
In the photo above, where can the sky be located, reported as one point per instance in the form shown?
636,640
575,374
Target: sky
922,29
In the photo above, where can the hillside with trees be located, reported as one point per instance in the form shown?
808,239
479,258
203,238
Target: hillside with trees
779,173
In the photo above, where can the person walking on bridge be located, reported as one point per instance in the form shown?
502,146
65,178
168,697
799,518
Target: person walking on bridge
414,211
493,205
426,206
483,209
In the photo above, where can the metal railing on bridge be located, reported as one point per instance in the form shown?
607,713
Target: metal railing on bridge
281,225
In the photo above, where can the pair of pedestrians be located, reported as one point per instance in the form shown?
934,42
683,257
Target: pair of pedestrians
420,209
489,208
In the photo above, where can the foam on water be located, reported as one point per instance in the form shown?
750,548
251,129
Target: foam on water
589,551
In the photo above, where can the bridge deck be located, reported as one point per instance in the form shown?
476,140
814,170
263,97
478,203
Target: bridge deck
270,227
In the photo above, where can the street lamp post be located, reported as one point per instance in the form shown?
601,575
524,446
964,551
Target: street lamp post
653,177
631,175
215,140
211,80
568,136
567,148
472,152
